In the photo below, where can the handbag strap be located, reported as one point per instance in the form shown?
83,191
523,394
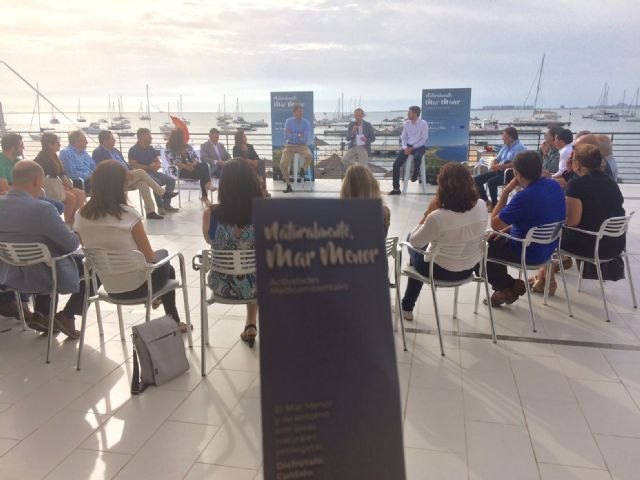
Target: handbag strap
137,386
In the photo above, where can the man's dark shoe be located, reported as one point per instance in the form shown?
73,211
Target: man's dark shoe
500,297
288,189
414,177
154,216
517,289
395,191
38,322
66,325
170,195
301,173
10,310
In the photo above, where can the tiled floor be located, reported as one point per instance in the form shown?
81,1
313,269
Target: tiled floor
516,410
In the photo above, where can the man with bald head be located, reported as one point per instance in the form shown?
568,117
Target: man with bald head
606,149
27,219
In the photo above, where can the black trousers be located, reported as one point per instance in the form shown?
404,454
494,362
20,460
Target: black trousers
78,184
493,181
159,278
201,172
497,275
42,303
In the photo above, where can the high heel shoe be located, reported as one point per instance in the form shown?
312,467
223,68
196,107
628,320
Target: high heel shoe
536,284
249,336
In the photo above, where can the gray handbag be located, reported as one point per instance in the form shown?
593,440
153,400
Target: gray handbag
159,349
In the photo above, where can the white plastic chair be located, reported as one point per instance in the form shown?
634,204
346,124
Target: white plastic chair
392,251
544,235
22,255
298,162
226,262
474,251
611,227
408,168
116,263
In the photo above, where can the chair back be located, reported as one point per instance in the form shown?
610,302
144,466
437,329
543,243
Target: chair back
614,226
391,246
112,265
543,234
25,254
471,250
230,262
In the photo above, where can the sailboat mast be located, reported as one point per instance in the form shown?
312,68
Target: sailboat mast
148,111
535,100
38,106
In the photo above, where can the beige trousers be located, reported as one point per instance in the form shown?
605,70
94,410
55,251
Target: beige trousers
139,180
357,154
287,157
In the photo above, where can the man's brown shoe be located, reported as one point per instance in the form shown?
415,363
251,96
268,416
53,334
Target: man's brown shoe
517,289
66,325
500,297
38,322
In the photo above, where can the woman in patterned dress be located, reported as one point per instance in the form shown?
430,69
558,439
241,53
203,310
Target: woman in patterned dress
227,226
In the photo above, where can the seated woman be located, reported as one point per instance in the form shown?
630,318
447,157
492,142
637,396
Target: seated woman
359,182
73,198
227,226
453,216
182,156
592,197
106,221
245,150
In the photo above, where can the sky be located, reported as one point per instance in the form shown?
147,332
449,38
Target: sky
383,52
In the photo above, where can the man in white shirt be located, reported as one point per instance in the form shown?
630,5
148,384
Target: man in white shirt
413,139
564,144
214,153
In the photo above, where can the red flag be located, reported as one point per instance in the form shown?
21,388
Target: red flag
179,123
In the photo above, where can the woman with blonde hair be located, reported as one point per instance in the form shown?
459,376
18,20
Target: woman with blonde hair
57,185
359,182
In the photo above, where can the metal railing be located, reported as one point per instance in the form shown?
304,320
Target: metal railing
330,149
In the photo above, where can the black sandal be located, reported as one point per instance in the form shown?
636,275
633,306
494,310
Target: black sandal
247,337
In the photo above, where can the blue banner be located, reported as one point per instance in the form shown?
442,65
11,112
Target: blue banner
447,111
281,109
329,380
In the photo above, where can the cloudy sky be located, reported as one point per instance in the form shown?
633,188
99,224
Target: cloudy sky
384,52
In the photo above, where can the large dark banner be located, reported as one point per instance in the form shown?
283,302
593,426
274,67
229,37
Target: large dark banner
330,396
447,111
281,109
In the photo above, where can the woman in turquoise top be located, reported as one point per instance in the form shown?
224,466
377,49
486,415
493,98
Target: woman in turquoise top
227,226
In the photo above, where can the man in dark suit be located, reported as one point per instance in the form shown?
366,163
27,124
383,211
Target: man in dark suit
360,135
214,153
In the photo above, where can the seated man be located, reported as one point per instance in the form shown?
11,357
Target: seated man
214,153
495,177
137,179
564,144
77,162
360,135
142,155
548,151
297,133
610,166
540,201
27,219
413,138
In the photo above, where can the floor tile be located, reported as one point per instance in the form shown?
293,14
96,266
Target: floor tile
205,471
621,455
491,396
421,464
541,377
89,465
561,472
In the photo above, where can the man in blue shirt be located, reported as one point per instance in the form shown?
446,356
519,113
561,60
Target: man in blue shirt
495,177
77,162
143,155
297,131
541,201
137,179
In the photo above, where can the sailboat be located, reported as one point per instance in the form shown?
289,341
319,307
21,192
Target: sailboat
539,117
630,113
145,115
36,108
223,117
120,117
633,116
604,115
80,118
53,119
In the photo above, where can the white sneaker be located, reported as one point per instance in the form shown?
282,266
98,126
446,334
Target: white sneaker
408,316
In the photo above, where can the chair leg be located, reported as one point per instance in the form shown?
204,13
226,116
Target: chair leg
399,314
533,320
633,292
183,280
564,285
604,298
204,323
120,322
547,281
18,301
580,275
475,308
435,309
408,165
486,291
455,303
179,193
99,315
52,313
83,327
